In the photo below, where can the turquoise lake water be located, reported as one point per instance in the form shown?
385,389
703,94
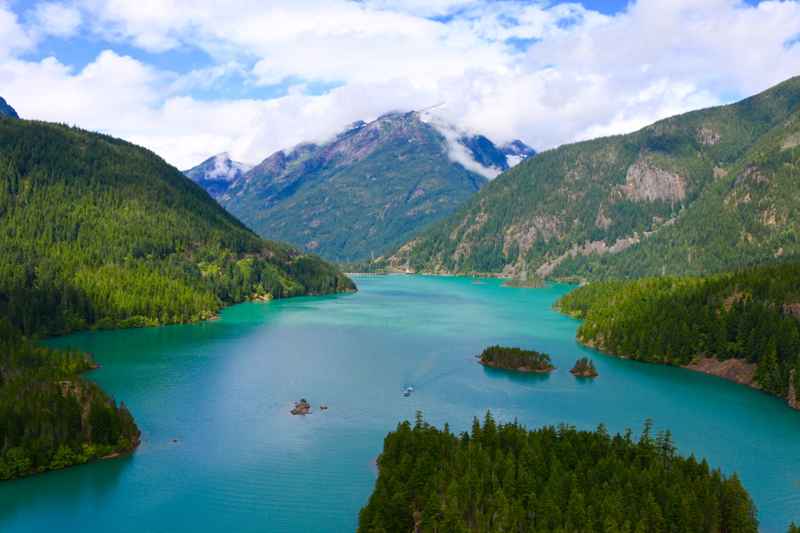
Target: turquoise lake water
242,463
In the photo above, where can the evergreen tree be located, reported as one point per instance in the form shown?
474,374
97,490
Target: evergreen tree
504,478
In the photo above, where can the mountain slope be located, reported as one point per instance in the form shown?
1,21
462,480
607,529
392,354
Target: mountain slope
746,216
216,173
96,232
6,110
367,190
621,205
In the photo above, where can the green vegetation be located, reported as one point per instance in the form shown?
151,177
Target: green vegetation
98,233
750,315
584,367
516,359
502,477
703,192
363,193
51,418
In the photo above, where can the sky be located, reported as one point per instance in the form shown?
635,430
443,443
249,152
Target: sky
192,78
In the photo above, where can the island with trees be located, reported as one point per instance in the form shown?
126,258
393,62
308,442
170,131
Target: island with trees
516,359
584,368
504,477
743,326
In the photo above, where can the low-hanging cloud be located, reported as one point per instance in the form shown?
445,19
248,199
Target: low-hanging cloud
547,74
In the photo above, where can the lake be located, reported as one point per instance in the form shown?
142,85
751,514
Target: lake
220,450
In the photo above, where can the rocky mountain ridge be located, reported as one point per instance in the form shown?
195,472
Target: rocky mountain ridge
705,191
369,188
216,173
6,110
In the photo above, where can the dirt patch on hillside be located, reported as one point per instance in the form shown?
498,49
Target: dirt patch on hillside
736,370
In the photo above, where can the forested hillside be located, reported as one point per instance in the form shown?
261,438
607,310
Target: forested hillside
50,417
368,189
709,190
503,477
98,233
743,326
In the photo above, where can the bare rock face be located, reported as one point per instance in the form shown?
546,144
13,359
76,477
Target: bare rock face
645,182
736,370
301,408
588,248
792,309
602,221
752,176
792,399
707,136
791,141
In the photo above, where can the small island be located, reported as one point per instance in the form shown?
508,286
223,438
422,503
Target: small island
584,368
516,359
301,408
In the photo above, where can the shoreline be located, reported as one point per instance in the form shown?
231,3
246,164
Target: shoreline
522,369
733,370
108,457
214,316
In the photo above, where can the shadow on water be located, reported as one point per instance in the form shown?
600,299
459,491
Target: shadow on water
516,377
75,486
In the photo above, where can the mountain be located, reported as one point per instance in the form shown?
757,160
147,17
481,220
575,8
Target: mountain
6,110
500,158
368,189
216,173
701,192
97,232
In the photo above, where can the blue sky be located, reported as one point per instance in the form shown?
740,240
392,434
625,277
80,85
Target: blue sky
189,78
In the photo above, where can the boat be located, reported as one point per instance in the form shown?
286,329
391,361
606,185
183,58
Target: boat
407,391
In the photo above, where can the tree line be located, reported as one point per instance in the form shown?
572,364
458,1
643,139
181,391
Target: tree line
503,477
750,315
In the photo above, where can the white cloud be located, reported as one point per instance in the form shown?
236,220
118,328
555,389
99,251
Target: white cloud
584,73
13,38
53,18
457,151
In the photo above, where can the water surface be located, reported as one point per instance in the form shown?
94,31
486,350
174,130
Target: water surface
220,450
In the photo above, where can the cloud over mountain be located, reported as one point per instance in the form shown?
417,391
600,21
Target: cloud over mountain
189,79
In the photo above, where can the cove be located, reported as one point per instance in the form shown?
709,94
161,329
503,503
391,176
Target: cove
220,450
